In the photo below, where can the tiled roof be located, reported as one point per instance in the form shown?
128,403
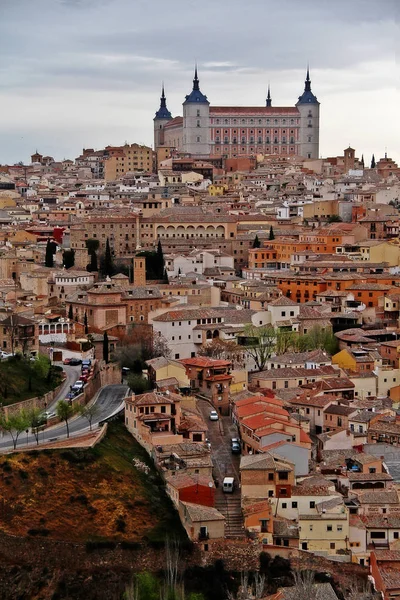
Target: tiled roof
255,462
369,477
198,513
204,362
267,111
338,409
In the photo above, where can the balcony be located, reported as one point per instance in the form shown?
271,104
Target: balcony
203,536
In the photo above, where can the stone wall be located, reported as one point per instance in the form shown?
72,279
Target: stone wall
37,402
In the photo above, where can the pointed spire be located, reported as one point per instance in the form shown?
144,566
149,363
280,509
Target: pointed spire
269,101
196,79
163,112
307,87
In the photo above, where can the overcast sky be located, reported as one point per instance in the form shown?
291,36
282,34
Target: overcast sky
87,73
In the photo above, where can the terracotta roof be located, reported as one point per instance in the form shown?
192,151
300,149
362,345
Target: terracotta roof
198,513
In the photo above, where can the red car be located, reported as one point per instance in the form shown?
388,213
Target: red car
66,361
84,378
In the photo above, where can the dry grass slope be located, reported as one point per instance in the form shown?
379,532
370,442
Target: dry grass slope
82,495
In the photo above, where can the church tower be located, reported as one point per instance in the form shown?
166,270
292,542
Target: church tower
308,107
160,120
196,121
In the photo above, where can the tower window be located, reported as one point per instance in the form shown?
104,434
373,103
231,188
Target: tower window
198,112
198,123
198,139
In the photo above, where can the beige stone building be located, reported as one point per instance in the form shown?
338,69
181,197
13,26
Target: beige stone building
126,159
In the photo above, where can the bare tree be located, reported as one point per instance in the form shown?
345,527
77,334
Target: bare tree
259,343
304,585
360,590
225,350
247,591
89,412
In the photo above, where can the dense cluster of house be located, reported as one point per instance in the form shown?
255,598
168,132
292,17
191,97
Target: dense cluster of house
299,255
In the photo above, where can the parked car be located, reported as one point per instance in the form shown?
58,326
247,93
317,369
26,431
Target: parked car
228,485
67,361
214,415
78,384
236,447
208,443
48,415
71,395
5,355
86,363
75,361
84,378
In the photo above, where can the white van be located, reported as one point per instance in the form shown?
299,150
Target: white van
228,485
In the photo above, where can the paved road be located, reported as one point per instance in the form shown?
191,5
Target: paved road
225,464
108,401
73,374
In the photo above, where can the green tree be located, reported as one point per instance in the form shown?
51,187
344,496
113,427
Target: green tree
259,343
165,276
90,411
160,260
49,256
271,233
92,266
138,383
256,243
108,265
14,424
70,313
285,341
35,422
318,337
68,259
65,411
105,347
92,245
85,323
373,163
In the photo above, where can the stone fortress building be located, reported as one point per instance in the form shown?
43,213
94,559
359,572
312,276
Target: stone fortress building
233,131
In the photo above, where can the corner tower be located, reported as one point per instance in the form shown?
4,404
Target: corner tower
308,107
160,120
196,121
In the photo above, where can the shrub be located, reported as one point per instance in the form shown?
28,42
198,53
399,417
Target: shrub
131,545
23,474
100,545
6,467
41,532
42,472
121,524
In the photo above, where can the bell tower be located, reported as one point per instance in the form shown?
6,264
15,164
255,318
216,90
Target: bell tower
160,120
308,107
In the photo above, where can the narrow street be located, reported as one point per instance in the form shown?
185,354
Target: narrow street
225,464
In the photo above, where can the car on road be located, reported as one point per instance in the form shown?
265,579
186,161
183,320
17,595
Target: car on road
75,361
67,361
4,355
78,384
84,377
214,415
208,443
86,363
228,485
71,395
48,415
236,447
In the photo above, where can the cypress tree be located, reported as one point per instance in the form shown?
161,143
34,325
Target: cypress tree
49,257
92,266
69,258
85,322
271,233
108,261
256,243
70,313
105,347
373,164
160,261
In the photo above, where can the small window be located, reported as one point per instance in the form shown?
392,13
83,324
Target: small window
329,527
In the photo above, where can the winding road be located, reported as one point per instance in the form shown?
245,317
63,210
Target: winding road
108,400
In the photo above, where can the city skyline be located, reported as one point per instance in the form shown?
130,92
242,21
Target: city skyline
78,74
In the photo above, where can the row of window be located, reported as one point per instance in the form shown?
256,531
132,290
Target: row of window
252,141
253,121
260,131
